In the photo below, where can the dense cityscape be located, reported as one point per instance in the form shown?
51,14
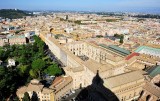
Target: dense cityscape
79,56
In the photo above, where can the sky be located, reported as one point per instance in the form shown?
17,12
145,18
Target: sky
147,6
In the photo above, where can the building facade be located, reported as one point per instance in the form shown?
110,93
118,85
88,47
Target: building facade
62,86
127,86
35,87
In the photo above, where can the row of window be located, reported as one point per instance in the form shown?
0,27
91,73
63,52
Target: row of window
129,88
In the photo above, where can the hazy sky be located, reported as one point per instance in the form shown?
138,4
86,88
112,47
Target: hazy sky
87,5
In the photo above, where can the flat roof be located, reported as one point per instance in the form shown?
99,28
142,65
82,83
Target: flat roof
146,47
116,49
94,66
122,79
16,36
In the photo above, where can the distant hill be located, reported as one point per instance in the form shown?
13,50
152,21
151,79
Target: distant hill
13,14
148,16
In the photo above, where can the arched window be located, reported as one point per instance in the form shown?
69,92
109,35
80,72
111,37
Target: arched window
130,96
148,97
134,93
141,93
80,85
122,99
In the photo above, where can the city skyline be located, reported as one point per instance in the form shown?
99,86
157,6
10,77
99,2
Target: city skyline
79,50
144,6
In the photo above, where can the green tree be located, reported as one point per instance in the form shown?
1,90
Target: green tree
1,53
2,71
56,36
53,70
78,22
99,36
38,41
38,66
26,97
22,60
8,81
39,44
4,54
16,99
2,78
2,84
23,69
121,40
33,74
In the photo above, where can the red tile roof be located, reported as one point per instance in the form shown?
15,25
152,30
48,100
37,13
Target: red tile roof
132,55
57,80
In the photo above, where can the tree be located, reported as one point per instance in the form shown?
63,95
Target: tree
38,41
23,69
2,84
7,82
56,36
33,74
1,53
22,60
38,66
2,71
2,78
53,70
26,97
99,36
78,22
13,14
121,37
121,40
16,99
40,45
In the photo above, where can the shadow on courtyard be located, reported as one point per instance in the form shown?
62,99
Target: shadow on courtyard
96,92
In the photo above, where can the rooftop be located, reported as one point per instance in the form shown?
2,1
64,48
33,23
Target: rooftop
132,55
94,66
122,79
146,47
16,36
116,49
34,85
154,71
60,82
152,89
